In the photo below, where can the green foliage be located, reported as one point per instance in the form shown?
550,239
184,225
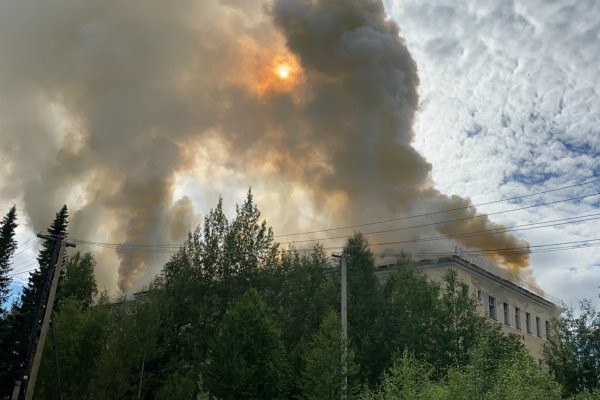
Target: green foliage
407,379
573,350
8,245
500,368
79,334
322,375
411,311
247,358
178,387
512,376
232,317
129,353
365,307
18,324
78,281
458,324
587,395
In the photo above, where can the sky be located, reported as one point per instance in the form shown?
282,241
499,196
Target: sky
140,120
509,106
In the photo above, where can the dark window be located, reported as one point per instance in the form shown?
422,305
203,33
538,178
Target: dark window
479,296
506,314
518,318
465,290
528,322
538,326
492,307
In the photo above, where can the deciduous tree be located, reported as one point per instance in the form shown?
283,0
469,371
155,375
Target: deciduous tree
247,358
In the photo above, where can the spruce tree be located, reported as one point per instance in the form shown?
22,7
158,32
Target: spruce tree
33,291
8,245
18,324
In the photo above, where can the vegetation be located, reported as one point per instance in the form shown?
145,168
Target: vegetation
8,245
15,327
573,352
232,316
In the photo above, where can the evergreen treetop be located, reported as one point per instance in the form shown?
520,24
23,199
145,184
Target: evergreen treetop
8,245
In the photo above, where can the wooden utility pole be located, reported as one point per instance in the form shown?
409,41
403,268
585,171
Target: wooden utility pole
344,317
30,377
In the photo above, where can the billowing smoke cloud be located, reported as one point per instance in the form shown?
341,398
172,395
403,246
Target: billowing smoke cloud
107,105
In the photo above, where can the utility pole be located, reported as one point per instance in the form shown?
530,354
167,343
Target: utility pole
44,313
344,317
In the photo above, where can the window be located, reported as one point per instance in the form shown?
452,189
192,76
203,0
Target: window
518,318
548,329
479,296
538,326
492,307
506,314
528,322
465,290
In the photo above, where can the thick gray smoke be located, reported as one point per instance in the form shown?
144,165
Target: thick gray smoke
106,105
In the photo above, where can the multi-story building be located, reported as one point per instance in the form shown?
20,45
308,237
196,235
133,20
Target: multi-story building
520,309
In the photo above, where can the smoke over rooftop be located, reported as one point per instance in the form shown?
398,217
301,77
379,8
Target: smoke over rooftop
107,105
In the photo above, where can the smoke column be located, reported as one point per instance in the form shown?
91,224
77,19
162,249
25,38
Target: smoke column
107,105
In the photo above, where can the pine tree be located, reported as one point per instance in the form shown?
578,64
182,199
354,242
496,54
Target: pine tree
17,329
8,245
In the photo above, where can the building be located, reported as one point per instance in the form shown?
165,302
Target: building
519,308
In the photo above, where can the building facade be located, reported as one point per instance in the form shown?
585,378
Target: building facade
519,308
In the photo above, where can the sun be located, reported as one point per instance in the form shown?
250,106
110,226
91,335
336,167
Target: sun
283,71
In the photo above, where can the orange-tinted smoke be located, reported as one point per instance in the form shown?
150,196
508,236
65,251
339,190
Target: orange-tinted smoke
313,94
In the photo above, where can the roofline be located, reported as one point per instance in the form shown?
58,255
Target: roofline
519,287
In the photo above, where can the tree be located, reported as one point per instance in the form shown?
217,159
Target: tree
458,323
80,336
411,313
247,358
407,379
500,368
572,352
130,359
364,307
8,245
32,293
248,249
322,375
19,321
78,281
302,291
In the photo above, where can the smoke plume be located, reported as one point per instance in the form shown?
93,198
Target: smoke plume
113,106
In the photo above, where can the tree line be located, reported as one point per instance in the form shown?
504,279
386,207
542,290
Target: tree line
232,315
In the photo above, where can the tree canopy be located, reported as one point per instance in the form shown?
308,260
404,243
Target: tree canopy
232,315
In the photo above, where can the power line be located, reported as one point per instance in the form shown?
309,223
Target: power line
484,232
508,250
455,209
172,248
21,248
22,263
21,272
167,248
